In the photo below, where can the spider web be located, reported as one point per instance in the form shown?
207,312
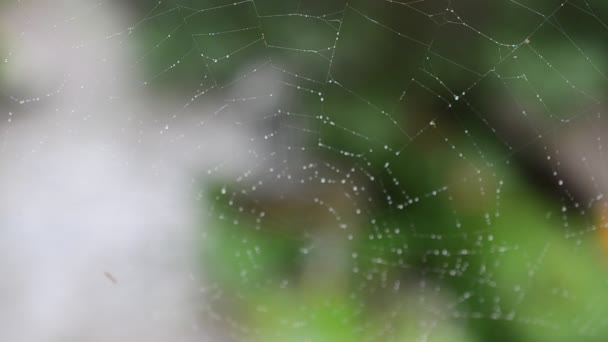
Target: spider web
425,170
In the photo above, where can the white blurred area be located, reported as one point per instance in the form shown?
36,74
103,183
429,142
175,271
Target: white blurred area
100,208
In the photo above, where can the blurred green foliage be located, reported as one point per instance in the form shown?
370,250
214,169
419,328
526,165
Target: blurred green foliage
410,103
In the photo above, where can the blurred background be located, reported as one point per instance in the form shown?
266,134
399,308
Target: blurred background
293,170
